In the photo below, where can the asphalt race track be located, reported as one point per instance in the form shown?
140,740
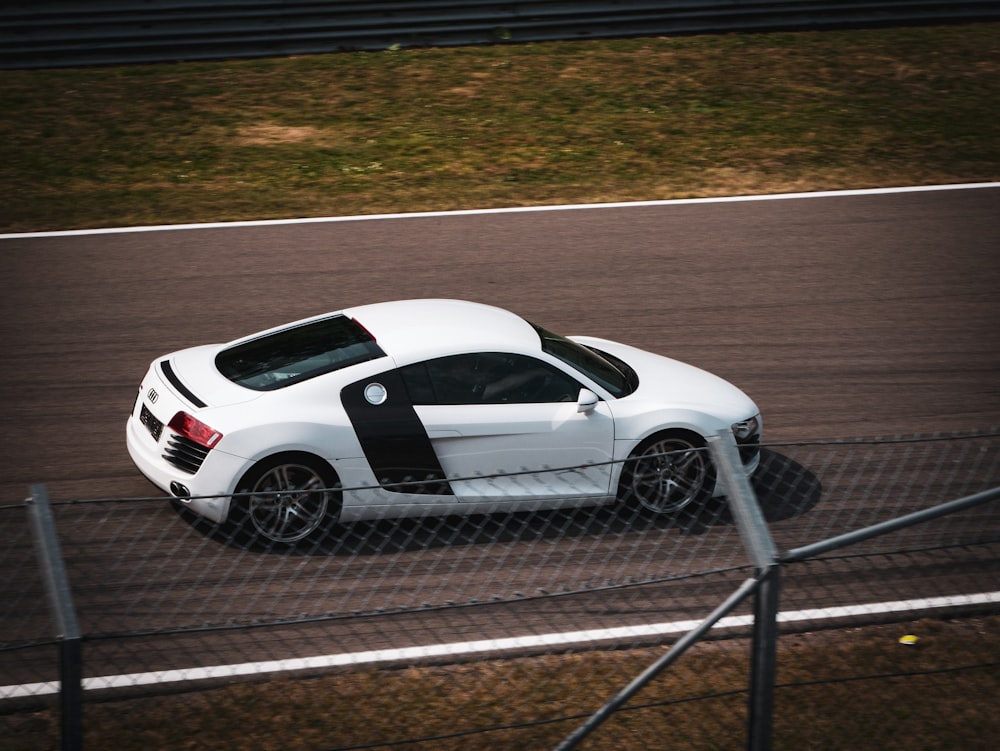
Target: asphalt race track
843,315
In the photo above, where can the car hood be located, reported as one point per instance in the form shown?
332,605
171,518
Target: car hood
668,381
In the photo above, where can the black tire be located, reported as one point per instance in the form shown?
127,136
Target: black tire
667,473
291,497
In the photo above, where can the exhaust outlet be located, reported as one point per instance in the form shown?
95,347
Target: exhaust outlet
180,491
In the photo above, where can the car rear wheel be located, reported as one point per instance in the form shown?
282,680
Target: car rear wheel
667,473
290,497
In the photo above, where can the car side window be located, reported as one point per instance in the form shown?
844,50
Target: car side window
488,378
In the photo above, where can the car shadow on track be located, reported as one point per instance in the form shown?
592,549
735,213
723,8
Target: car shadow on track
784,489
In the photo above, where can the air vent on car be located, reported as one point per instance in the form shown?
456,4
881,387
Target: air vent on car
185,454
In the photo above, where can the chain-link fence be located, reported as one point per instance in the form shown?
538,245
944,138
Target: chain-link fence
509,629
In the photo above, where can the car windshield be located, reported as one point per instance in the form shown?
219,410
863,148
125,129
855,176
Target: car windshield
298,353
610,372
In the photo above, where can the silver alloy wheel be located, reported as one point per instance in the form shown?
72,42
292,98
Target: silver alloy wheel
669,474
288,502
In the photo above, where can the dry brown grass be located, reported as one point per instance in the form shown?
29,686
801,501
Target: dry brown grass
854,688
437,129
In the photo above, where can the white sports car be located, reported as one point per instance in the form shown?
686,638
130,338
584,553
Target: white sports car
427,406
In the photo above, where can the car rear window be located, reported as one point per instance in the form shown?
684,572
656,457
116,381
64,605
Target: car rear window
295,354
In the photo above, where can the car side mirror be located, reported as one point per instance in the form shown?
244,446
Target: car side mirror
586,401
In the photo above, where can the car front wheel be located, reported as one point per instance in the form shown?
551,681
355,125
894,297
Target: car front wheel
667,473
288,498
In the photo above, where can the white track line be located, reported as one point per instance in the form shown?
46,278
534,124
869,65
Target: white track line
513,210
460,649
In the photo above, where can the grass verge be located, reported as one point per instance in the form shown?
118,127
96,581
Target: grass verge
439,129
855,688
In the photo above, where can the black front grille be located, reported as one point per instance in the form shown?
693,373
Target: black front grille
185,454
749,448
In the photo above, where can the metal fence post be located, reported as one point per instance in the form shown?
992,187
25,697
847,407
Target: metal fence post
67,629
764,556
661,663
763,662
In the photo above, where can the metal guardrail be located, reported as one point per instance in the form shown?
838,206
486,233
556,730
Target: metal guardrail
59,33
67,628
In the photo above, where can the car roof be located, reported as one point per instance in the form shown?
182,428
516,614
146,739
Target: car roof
413,330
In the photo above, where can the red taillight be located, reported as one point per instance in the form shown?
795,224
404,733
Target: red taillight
195,430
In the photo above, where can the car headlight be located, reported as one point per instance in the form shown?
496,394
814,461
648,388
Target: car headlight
747,428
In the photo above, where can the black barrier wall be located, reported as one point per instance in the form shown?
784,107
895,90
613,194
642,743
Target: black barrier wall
60,33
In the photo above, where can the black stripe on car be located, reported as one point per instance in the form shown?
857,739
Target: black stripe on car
171,376
392,436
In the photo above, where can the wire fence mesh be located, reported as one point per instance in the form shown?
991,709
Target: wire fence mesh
557,607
